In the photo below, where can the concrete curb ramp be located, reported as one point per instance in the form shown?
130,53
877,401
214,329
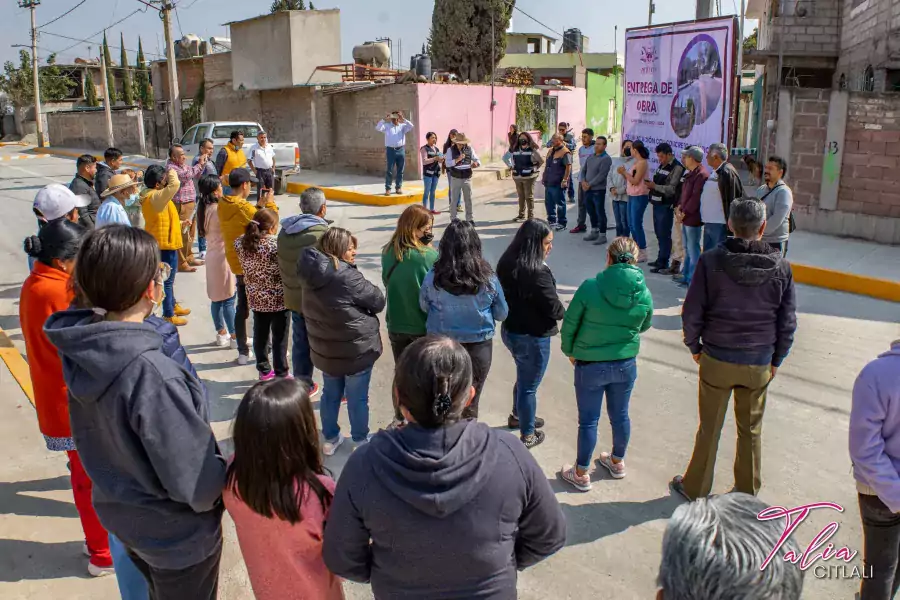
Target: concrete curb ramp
16,364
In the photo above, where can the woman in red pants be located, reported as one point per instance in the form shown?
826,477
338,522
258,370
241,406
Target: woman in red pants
45,292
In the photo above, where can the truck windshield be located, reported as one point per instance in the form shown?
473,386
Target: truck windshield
224,131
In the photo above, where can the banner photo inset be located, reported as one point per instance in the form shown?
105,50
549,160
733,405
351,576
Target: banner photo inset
679,83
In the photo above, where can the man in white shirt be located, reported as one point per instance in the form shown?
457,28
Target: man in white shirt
394,127
262,158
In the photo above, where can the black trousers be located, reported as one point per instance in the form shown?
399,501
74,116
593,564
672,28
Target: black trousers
241,314
265,180
270,333
399,343
198,582
881,535
783,246
482,354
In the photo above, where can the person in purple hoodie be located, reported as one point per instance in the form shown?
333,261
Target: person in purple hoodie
875,453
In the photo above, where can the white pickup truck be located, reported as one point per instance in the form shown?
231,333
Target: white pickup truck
287,154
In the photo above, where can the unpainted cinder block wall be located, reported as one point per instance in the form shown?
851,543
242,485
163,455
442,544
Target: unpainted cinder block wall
87,129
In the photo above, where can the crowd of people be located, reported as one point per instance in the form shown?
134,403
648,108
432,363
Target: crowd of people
115,389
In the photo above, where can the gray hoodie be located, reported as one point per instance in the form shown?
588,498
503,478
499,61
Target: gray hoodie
140,422
779,201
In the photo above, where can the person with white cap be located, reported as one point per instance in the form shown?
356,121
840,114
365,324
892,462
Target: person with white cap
53,202
121,191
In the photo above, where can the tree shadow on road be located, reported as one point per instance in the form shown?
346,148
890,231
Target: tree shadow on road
15,499
588,523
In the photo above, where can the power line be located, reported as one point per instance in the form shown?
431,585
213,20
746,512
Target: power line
62,15
83,41
545,26
88,41
178,19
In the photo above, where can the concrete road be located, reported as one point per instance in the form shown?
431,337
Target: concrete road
615,531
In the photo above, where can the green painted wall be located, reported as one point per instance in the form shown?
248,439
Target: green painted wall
600,90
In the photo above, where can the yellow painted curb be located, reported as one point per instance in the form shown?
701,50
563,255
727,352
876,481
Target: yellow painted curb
883,289
18,157
16,364
352,197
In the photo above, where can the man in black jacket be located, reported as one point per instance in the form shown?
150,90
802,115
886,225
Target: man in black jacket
83,185
665,189
739,319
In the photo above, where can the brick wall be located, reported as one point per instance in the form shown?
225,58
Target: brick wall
868,35
810,121
870,179
817,31
190,76
223,102
87,129
286,116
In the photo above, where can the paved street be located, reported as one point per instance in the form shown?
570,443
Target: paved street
614,531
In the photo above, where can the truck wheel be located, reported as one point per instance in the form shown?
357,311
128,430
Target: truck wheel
280,186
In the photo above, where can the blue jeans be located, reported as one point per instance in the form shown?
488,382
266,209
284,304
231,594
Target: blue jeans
663,220
637,205
170,257
223,314
201,244
713,235
595,203
132,584
395,157
621,211
301,362
555,201
615,379
431,183
356,389
691,239
532,355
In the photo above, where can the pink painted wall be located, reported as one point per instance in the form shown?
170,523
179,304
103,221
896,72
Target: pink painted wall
572,108
467,108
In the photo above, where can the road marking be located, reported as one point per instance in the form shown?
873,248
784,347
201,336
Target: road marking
18,157
59,179
16,364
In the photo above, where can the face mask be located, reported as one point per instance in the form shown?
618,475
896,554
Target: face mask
132,199
427,238
627,151
523,143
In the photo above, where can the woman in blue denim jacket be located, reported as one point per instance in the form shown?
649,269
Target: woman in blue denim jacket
463,298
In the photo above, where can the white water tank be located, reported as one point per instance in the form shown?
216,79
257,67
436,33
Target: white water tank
373,54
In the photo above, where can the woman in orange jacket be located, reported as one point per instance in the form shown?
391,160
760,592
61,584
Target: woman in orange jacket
46,291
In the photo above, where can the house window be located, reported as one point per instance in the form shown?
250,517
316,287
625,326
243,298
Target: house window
869,80
534,45
892,80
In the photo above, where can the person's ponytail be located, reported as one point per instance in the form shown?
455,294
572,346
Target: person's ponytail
262,223
32,246
57,240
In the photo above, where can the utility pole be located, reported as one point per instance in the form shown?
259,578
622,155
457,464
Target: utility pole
110,137
39,125
171,67
650,13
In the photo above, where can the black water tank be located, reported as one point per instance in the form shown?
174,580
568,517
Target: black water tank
423,66
573,41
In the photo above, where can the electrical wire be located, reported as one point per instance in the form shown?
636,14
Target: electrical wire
81,41
178,20
62,15
547,27
88,41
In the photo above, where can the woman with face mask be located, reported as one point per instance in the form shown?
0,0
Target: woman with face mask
525,162
616,188
157,466
405,260
120,194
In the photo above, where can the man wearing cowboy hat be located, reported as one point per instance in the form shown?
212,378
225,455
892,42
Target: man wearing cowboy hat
121,191
394,127
460,163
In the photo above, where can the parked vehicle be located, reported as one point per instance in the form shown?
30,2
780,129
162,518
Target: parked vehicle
287,154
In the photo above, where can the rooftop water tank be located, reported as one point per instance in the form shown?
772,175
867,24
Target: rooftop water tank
423,66
373,54
573,41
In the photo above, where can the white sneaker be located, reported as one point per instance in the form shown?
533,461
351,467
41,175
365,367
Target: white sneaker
244,359
223,341
331,446
96,571
85,551
233,343
202,255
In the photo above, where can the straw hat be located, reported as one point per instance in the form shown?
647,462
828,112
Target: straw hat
461,138
117,183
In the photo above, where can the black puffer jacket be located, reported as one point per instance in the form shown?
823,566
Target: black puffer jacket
339,306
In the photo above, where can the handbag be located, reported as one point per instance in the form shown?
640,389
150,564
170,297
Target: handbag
792,223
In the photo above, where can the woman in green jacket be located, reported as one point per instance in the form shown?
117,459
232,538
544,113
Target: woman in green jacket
405,260
601,336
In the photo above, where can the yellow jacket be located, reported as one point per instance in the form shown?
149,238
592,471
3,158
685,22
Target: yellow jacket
235,213
162,219
235,159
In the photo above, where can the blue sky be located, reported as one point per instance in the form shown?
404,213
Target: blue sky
361,20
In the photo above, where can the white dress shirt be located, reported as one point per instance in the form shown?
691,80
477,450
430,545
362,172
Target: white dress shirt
394,135
262,157
711,209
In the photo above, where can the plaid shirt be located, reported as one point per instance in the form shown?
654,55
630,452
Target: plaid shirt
186,175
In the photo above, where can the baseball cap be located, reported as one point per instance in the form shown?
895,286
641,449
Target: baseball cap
55,201
238,177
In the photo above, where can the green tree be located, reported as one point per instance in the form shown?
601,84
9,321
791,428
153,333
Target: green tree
90,89
144,90
110,73
280,5
311,5
751,40
18,82
127,87
460,38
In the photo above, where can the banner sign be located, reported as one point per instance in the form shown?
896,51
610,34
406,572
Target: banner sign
679,83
